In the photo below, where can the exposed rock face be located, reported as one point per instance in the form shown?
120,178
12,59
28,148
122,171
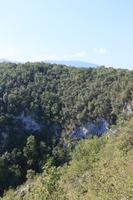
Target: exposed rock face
99,127
29,122
17,126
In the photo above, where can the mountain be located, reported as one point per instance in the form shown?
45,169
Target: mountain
46,111
75,63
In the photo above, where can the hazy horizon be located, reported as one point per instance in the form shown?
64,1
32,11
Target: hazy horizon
90,31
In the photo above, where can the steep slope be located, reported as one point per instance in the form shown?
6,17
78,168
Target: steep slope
62,96
101,169
46,109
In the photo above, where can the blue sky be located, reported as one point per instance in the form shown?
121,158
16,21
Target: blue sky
97,31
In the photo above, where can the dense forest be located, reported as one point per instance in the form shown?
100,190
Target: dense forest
101,168
46,112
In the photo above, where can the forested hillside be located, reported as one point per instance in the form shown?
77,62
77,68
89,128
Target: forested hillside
100,169
45,110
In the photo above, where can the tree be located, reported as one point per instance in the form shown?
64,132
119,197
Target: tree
30,152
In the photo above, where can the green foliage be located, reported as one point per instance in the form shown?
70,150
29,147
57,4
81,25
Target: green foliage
59,97
59,155
102,175
101,169
10,175
30,151
44,187
59,94
87,154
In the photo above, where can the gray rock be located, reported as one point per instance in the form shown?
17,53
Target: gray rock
99,127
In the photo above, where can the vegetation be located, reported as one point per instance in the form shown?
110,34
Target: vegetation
40,104
55,93
100,169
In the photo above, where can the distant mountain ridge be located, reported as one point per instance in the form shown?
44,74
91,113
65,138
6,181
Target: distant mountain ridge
75,63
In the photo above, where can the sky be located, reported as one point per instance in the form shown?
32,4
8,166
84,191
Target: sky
97,31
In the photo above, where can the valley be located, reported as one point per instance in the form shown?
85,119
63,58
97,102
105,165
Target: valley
59,124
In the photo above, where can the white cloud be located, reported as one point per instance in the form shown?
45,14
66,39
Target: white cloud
45,57
13,54
100,51
76,56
